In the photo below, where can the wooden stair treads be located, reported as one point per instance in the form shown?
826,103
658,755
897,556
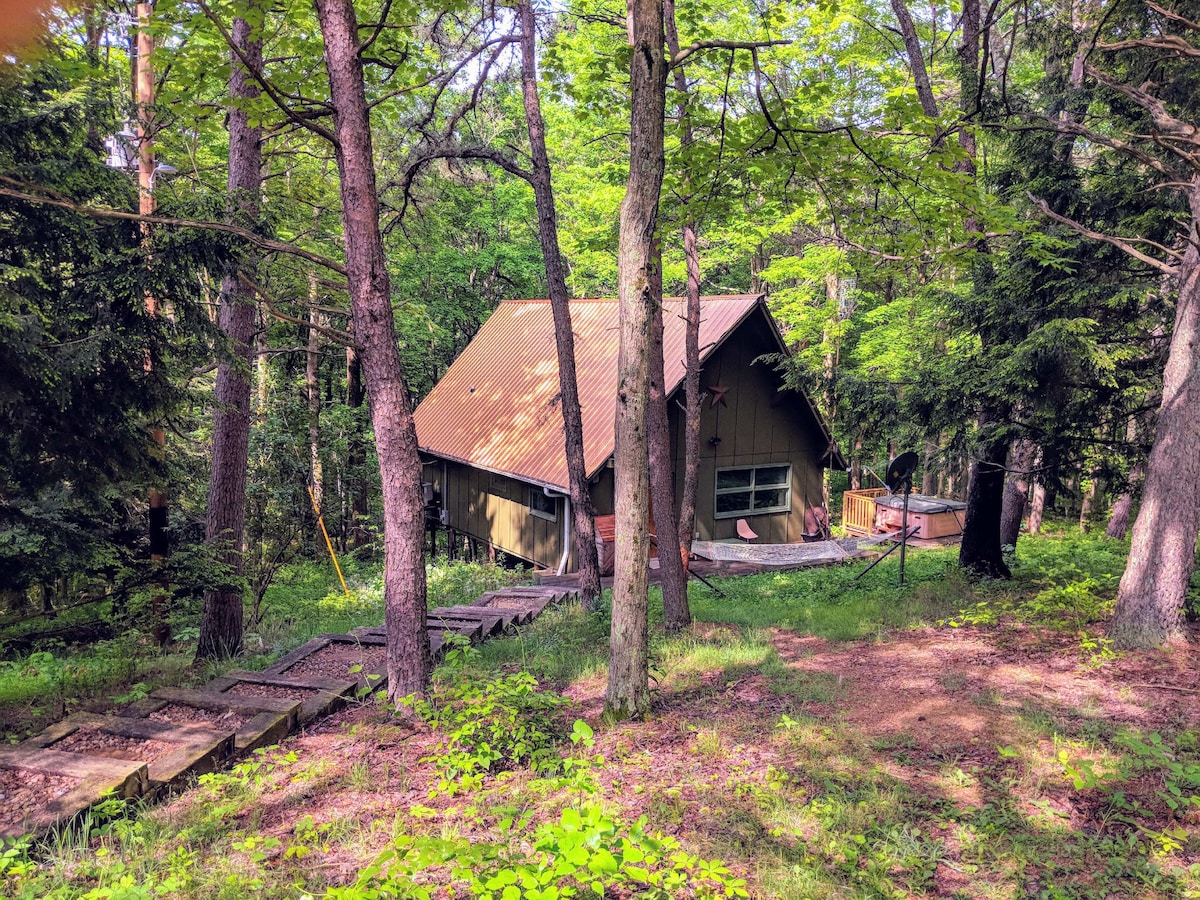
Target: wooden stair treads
200,749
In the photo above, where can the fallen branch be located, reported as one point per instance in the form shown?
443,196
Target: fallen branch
1168,687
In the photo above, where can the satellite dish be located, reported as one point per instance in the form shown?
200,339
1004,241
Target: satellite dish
900,470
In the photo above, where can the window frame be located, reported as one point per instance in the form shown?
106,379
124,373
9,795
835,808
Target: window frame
541,513
752,489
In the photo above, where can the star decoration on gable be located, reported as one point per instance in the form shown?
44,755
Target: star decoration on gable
716,394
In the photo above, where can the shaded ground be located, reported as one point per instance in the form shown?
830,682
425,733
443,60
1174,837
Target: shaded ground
926,764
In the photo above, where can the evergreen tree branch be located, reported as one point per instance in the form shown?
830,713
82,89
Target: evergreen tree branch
341,337
105,212
1173,16
1125,245
1170,43
1163,121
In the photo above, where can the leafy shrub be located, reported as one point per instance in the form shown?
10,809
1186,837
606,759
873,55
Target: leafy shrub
585,852
490,724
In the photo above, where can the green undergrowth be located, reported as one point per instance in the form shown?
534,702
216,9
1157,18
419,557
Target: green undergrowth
45,684
753,778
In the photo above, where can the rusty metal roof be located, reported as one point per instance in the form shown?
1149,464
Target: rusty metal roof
497,406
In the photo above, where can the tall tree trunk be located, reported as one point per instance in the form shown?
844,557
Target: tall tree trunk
312,388
691,256
408,661
928,472
1118,522
1037,507
1087,505
981,551
221,617
356,453
628,694
583,515
1016,491
1162,552
916,58
676,614
144,98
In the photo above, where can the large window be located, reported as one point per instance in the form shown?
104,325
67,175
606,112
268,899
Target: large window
751,490
542,506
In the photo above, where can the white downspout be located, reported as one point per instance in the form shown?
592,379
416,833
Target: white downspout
566,536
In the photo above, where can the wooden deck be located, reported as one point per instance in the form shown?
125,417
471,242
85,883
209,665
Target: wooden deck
858,510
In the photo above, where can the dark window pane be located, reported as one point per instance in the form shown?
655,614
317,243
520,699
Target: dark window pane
773,497
539,502
735,502
770,475
733,478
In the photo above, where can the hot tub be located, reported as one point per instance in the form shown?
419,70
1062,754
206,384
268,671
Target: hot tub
933,517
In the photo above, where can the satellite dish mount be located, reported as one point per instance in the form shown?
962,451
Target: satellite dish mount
899,479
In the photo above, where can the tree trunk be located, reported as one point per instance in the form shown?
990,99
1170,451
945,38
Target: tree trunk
691,255
1037,506
676,614
928,472
916,58
583,516
1087,505
312,388
1118,522
356,454
981,551
628,694
1016,491
1162,552
408,661
221,617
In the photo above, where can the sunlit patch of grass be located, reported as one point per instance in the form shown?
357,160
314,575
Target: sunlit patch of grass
830,602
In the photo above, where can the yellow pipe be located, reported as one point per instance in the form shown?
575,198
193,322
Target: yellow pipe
328,542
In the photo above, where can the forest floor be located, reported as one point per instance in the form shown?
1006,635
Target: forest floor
959,741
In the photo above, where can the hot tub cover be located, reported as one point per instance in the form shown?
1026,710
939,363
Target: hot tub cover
920,503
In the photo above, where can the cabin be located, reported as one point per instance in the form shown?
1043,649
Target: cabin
491,433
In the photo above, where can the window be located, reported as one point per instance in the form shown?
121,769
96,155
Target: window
752,490
542,506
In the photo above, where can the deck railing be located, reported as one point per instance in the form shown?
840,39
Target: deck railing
858,510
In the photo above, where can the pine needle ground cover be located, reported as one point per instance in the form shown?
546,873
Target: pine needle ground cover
811,737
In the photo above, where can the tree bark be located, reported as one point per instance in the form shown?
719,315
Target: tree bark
928,472
673,576
691,256
1016,491
1162,552
356,454
1037,507
981,551
583,516
628,694
1118,522
312,389
408,661
221,617
916,58
1087,505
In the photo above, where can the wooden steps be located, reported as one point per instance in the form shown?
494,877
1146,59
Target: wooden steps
261,708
